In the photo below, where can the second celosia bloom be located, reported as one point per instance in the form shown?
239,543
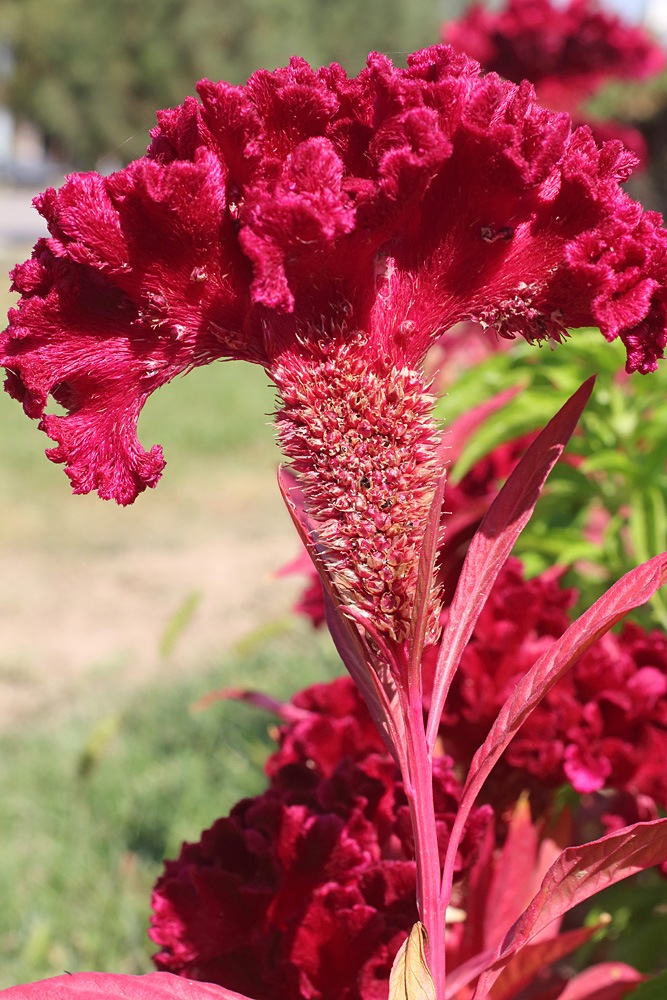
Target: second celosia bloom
329,229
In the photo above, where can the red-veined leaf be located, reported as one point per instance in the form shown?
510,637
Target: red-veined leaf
576,875
105,986
504,521
534,958
606,981
632,590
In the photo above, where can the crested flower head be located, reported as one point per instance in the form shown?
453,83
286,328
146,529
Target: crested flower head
568,52
328,229
309,889
578,45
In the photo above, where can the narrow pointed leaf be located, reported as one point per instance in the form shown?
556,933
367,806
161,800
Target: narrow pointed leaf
515,880
504,521
351,653
410,977
285,710
352,649
104,986
525,965
427,557
576,875
631,591
610,981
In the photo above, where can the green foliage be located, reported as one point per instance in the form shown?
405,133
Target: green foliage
91,75
655,989
603,511
93,800
178,623
637,930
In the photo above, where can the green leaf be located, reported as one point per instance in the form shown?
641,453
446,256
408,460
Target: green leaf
178,623
654,989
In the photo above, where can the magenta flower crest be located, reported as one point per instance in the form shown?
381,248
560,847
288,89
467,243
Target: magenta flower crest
328,229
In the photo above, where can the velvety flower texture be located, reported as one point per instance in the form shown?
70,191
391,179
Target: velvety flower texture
567,51
307,890
329,229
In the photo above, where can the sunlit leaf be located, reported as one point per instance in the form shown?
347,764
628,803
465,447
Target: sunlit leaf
576,875
508,515
105,986
410,977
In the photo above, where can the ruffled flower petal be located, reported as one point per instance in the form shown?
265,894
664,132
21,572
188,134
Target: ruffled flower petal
307,212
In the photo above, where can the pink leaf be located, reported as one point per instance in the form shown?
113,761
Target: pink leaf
607,981
515,880
285,710
534,958
576,875
104,986
632,590
504,521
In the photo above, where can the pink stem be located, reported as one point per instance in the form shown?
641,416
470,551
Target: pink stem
450,857
418,784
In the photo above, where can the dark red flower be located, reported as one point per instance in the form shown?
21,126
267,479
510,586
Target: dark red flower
305,222
307,890
566,51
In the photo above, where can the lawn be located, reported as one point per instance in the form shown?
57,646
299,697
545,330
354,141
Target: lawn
94,800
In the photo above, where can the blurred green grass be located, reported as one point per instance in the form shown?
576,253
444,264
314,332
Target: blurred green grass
94,800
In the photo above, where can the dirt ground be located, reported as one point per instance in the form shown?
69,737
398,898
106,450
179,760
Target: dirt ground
87,605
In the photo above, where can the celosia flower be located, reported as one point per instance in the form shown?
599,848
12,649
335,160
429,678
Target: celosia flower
329,229
307,890
567,51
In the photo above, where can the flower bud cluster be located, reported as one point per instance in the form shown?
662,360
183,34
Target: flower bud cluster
360,435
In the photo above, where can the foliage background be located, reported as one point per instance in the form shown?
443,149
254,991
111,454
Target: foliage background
90,75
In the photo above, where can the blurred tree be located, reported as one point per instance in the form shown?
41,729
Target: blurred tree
91,73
